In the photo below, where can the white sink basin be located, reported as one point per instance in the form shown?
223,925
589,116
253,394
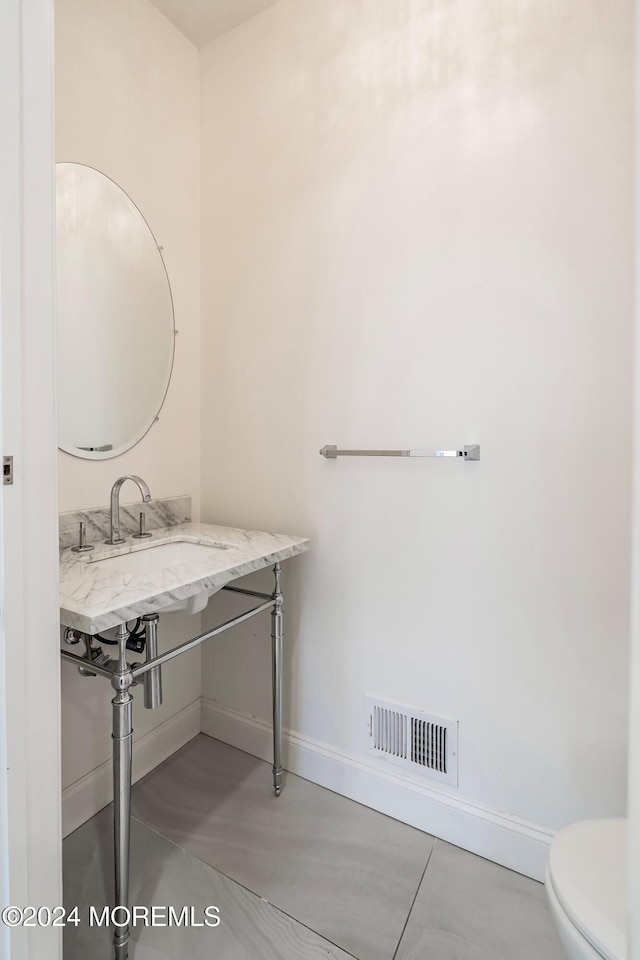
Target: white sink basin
161,556
155,557
178,568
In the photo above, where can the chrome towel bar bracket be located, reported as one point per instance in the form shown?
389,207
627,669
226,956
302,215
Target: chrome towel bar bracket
470,452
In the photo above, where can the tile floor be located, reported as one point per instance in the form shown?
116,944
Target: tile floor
307,876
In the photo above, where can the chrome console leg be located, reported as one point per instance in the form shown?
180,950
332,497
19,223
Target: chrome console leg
122,734
277,635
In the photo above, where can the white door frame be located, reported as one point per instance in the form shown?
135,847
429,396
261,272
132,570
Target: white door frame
634,690
29,656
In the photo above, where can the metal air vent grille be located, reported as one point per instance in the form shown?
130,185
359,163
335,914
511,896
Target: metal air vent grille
413,739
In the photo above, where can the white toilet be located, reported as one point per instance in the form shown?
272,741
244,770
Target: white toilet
586,885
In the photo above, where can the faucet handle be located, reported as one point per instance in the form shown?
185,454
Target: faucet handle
83,546
141,534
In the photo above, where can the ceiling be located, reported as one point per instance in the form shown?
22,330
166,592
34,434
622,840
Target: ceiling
203,20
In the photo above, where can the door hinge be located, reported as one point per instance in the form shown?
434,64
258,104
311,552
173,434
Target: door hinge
7,470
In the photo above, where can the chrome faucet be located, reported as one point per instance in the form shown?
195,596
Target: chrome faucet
115,504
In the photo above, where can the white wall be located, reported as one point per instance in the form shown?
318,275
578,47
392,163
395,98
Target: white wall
417,232
127,103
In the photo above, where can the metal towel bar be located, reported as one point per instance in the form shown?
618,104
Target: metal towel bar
470,452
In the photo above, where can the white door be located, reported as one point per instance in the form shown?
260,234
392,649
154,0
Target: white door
4,815
30,844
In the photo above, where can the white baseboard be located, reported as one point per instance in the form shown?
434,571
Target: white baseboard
505,839
497,836
82,800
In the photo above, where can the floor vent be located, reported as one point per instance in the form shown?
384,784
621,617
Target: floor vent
413,739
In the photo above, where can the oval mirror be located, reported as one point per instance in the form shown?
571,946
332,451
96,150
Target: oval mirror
115,317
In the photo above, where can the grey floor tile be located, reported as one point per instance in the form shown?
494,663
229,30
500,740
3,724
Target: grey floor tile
163,875
468,908
345,871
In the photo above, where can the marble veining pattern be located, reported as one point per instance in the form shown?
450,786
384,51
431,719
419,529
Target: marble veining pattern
158,513
95,597
345,871
304,877
373,887
165,875
468,908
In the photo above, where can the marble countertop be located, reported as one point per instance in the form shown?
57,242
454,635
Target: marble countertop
94,596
